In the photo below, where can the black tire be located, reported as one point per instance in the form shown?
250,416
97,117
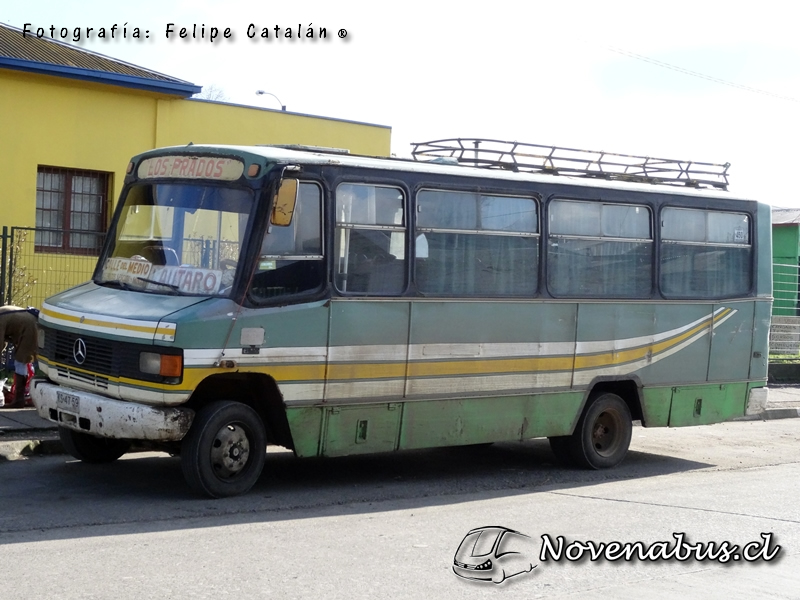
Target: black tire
223,454
603,433
562,448
90,448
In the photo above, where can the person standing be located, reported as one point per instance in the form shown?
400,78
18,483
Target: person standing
20,327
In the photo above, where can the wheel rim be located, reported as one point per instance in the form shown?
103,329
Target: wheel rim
230,451
607,433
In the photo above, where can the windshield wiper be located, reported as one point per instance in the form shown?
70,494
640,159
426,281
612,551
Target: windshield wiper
124,285
171,286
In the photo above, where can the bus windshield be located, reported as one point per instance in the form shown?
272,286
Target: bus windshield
177,238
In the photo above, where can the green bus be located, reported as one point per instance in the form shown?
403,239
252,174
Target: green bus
337,305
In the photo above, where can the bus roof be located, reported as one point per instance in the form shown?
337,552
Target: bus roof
316,156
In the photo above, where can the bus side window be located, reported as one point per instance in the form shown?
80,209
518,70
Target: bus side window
600,250
474,244
370,239
290,260
705,253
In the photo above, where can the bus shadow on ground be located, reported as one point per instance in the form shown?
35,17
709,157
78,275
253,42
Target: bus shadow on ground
495,469
145,492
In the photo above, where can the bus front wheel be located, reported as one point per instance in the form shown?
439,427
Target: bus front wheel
90,448
224,452
601,437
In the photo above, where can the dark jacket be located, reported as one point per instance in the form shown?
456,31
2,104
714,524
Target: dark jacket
19,327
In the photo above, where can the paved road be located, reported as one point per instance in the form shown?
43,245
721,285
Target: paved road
389,525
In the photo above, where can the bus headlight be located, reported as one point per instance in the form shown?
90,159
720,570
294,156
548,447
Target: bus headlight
40,339
166,365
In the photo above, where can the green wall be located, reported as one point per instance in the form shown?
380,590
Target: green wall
785,251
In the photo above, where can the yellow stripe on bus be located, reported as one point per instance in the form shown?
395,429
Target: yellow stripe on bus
320,372
108,324
487,367
616,358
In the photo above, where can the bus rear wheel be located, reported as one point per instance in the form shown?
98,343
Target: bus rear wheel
562,448
602,436
224,452
90,448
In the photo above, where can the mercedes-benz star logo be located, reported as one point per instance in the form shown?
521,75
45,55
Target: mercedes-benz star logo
79,351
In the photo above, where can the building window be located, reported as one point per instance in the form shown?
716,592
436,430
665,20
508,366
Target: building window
71,210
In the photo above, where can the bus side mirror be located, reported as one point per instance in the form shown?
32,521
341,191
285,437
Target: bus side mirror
284,202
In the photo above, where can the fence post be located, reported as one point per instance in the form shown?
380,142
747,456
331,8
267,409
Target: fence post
10,276
3,257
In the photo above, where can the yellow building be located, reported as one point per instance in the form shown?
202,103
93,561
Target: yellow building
70,121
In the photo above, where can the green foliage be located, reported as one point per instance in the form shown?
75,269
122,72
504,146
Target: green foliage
22,281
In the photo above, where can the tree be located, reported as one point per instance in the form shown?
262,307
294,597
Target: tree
212,92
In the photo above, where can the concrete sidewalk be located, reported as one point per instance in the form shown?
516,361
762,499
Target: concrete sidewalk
23,433
783,402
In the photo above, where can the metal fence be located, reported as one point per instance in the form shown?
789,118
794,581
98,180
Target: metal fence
784,335
37,263
786,290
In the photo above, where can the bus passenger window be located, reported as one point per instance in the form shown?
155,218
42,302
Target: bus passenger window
476,245
705,254
290,260
370,239
598,250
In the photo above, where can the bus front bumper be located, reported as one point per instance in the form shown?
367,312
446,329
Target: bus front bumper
105,417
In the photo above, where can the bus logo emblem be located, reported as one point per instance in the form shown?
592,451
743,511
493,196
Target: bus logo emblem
79,351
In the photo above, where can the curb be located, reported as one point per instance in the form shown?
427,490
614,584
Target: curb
19,449
772,414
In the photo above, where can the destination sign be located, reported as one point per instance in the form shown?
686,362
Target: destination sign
191,167
143,274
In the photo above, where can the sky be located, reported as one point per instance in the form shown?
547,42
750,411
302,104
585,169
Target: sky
702,80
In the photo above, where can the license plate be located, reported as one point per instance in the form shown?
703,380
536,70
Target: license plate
68,402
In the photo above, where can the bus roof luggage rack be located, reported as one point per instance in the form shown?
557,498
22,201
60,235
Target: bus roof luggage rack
535,158
306,148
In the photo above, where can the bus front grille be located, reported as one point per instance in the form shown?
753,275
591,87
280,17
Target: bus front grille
84,352
72,375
